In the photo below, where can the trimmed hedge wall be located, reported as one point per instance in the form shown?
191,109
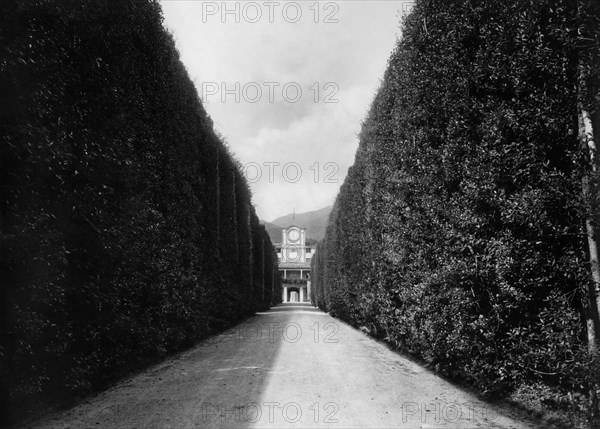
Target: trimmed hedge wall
128,230
458,233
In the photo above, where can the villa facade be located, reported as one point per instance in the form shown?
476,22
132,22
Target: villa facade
294,257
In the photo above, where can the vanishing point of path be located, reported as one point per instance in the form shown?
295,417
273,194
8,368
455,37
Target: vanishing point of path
293,366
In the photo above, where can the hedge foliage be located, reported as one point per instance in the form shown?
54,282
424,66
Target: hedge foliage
458,233
128,230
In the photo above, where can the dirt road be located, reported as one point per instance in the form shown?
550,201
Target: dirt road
293,366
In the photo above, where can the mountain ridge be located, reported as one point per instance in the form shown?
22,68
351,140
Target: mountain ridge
314,222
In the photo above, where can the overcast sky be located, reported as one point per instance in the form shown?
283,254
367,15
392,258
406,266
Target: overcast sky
287,86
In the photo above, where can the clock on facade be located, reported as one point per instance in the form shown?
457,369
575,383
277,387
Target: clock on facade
293,235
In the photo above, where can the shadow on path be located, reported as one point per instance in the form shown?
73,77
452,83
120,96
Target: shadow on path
292,366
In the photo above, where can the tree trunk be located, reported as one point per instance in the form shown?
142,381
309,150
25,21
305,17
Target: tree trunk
590,195
593,188
590,190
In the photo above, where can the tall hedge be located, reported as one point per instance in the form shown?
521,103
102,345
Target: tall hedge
128,230
458,234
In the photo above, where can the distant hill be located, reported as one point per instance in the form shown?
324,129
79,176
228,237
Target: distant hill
314,222
273,230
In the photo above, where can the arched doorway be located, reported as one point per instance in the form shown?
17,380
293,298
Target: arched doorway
293,294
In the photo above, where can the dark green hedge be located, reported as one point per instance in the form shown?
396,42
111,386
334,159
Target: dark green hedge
458,233
128,230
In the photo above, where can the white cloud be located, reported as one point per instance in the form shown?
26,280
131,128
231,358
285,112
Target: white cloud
349,57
